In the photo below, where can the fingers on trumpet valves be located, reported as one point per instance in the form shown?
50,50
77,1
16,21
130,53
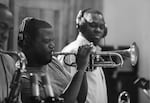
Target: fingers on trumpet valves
84,50
93,50
90,47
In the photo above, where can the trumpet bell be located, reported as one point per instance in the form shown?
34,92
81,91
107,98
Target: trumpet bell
134,53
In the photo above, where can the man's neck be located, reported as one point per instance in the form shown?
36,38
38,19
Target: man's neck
35,68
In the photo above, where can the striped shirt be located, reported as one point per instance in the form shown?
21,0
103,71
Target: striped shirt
59,79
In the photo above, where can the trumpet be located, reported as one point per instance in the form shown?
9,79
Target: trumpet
98,59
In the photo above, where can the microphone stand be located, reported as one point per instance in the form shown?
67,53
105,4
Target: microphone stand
15,83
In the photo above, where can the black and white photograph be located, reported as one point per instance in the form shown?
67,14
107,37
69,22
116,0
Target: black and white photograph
74,51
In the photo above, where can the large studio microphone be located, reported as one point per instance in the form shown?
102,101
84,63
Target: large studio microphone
49,94
47,86
35,98
50,98
143,84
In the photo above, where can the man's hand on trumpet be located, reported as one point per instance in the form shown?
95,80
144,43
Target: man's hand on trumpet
82,57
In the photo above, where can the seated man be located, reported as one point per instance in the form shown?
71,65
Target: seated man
36,39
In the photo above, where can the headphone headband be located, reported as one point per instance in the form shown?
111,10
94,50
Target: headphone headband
23,24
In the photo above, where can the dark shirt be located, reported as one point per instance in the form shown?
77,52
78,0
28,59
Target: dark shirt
7,68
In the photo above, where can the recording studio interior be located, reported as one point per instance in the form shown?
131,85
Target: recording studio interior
127,23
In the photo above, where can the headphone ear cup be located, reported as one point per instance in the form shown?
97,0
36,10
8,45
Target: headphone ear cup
105,31
24,40
80,19
20,39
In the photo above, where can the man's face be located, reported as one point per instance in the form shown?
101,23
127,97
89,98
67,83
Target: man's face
95,26
6,23
44,45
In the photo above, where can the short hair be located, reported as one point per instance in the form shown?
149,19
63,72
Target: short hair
28,30
90,10
80,20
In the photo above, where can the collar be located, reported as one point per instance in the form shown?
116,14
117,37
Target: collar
82,39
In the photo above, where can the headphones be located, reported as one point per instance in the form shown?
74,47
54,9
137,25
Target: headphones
22,38
80,20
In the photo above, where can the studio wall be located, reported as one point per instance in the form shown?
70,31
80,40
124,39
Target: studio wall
128,21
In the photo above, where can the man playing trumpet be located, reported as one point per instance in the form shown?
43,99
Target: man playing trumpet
36,40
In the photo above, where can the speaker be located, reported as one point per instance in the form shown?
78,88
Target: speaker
80,20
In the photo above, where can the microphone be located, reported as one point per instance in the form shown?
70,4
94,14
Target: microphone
50,98
35,98
47,86
47,89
